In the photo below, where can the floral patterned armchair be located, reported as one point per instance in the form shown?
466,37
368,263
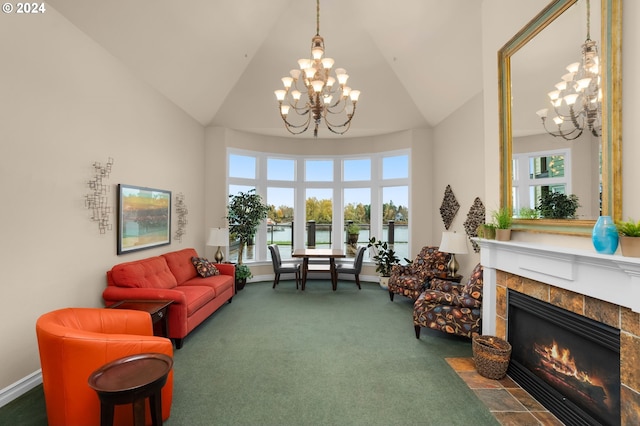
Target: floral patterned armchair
450,307
410,280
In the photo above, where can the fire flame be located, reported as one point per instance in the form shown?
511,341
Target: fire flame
560,360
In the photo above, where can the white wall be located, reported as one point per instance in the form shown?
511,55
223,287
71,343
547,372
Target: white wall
64,104
458,161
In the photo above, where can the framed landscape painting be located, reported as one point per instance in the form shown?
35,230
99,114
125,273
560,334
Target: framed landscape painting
144,218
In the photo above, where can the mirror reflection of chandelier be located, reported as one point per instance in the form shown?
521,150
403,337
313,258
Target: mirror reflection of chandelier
577,100
312,93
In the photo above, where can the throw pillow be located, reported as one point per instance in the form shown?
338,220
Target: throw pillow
204,267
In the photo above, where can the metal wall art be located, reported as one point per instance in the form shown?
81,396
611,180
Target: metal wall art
449,207
181,213
97,200
475,218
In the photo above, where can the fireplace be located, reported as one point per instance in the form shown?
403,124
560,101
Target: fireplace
602,288
569,363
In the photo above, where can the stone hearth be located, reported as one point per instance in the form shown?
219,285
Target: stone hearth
605,288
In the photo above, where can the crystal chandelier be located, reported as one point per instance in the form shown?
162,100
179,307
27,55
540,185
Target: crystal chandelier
311,92
577,100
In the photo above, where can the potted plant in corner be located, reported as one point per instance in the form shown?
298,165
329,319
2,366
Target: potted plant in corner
385,258
243,273
629,233
503,220
244,213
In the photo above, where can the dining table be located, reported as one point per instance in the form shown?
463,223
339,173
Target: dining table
313,253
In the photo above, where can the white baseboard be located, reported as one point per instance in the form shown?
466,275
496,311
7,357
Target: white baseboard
20,387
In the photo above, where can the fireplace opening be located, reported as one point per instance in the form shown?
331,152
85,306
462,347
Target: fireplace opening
567,362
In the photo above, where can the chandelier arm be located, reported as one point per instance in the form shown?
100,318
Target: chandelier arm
339,132
569,136
346,123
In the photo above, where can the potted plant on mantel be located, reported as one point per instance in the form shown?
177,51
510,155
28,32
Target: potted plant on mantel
245,212
629,233
503,220
384,258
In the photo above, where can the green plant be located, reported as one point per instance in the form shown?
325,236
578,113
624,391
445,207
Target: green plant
243,272
527,213
245,212
352,228
502,218
384,258
554,205
628,228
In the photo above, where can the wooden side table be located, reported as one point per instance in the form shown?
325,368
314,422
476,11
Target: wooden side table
130,380
455,278
158,309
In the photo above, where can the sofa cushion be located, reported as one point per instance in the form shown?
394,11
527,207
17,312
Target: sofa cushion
180,264
197,297
151,272
219,283
204,267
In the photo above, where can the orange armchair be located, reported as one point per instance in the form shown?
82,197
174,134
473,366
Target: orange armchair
73,342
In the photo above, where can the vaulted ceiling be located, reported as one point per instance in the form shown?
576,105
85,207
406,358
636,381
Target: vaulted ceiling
415,61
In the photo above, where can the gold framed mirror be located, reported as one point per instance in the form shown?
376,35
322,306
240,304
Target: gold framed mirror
603,170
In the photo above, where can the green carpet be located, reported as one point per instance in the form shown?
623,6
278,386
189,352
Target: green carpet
284,357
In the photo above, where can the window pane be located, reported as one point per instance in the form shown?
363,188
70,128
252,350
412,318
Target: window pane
546,167
395,167
395,207
280,219
357,170
279,169
242,166
357,210
319,170
319,208
234,189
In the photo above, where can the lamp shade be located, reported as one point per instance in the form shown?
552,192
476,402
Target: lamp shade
452,242
218,237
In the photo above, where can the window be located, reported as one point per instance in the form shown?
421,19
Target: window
538,173
328,194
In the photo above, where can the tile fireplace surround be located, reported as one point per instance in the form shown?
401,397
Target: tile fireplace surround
605,288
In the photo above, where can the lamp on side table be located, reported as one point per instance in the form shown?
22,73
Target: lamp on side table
453,243
218,237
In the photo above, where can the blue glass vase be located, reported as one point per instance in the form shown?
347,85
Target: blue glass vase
605,235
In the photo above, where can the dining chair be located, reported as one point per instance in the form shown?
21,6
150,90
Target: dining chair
355,268
280,268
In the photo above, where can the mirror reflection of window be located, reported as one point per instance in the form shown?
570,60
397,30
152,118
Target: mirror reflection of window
539,173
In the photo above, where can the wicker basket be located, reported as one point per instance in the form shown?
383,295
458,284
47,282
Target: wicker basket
491,355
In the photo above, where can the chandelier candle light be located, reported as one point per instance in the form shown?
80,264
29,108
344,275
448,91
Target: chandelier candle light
312,93
577,102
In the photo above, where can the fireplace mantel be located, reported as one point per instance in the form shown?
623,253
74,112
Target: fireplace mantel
611,278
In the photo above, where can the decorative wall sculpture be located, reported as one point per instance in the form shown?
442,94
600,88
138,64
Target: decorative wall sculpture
97,201
449,207
181,213
475,218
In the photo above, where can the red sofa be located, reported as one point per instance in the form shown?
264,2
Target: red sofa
172,276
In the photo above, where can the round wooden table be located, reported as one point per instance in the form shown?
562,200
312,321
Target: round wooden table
130,380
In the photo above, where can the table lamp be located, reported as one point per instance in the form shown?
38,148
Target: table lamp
218,237
453,243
